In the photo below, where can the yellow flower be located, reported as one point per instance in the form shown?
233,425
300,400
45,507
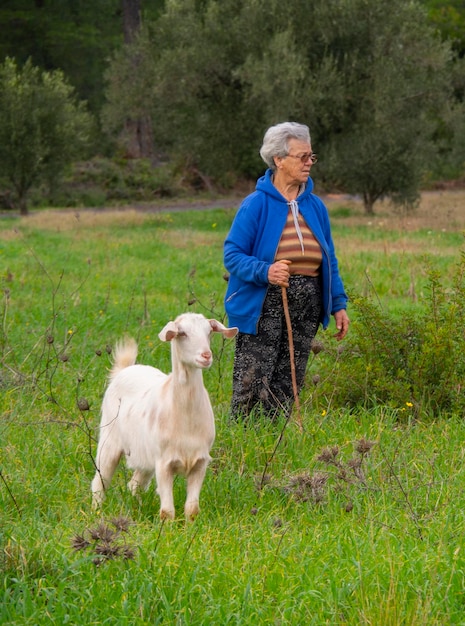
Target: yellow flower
323,412
409,404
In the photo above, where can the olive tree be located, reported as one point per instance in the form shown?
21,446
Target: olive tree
397,89
186,77
376,85
372,79
42,127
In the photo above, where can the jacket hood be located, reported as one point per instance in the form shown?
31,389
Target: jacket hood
265,185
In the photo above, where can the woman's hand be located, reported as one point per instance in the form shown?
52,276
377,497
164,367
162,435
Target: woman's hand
278,274
342,324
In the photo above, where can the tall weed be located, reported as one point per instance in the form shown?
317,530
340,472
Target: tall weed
413,361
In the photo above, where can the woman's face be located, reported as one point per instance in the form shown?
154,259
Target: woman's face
296,166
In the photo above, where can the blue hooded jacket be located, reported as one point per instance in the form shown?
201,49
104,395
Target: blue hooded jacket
250,248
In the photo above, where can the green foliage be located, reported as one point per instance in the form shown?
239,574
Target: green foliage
182,71
372,80
382,93
449,17
42,127
101,181
74,37
413,362
392,81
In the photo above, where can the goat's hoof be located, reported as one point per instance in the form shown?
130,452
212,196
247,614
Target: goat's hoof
134,487
169,515
191,511
97,500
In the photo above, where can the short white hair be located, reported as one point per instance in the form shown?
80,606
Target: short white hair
276,139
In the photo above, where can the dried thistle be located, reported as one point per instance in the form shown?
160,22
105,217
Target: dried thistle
354,463
80,543
83,404
305,487
343,475
363,446
317,346
329,455
102,533
108,550
121,523
104,541
127,552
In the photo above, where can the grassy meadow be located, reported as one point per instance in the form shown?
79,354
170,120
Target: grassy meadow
358,519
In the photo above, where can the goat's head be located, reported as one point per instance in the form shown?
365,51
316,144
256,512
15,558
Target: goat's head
191,333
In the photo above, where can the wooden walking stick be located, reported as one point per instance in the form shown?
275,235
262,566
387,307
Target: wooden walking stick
291,355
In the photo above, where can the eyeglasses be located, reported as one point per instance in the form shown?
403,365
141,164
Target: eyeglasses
305,157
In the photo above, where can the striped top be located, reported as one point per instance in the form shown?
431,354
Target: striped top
306,258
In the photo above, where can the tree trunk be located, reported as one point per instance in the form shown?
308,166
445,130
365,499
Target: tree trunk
131,20
138,136
368,204
22,203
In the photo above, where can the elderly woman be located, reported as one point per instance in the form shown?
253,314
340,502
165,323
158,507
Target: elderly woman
280,237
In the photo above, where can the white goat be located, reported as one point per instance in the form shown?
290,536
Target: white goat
163,424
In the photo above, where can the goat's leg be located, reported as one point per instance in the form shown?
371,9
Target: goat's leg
140,481
165,477
107,462
195,480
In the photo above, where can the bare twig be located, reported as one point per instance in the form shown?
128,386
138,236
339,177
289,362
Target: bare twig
268,461
10,493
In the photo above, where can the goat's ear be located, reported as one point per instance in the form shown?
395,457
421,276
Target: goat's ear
169,332
218,327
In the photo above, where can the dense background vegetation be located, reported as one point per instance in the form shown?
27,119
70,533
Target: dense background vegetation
190,87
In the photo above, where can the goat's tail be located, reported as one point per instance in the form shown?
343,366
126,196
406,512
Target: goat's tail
125,354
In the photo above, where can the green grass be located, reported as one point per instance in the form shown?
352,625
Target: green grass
302,530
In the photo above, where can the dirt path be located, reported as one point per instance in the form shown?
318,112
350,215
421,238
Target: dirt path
437,210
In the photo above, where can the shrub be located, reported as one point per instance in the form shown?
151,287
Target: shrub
414,362
43,128
102,181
